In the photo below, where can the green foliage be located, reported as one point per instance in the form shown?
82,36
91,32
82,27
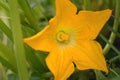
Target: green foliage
24,18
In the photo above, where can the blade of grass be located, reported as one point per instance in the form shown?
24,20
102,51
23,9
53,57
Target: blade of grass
46,75
6,30
41,9
33,56
99,75
33,59
5,6
115,73
29,14
115,27
7,54
87,4
114,59
3,76
7,64
18,42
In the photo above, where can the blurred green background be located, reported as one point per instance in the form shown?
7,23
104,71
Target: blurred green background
27,17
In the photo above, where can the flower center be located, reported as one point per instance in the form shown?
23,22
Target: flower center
62,36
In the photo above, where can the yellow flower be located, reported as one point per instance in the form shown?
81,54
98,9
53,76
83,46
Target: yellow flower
70,38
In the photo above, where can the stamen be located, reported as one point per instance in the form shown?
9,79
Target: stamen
62,36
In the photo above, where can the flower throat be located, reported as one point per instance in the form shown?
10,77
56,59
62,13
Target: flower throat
62,37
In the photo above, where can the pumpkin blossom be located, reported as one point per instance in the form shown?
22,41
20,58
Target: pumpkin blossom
70,38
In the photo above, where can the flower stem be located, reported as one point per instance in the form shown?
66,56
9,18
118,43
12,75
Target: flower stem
115,28
17,39
87,4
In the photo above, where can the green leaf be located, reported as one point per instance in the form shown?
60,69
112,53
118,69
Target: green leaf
18,45
29,14
1,35
7,54
12,77
114,78
4,5
99,75
2,73
27,31
6,30
41,56
34,61
114,74
7,64
87,4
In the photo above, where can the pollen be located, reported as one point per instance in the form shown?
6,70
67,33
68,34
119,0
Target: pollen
62,36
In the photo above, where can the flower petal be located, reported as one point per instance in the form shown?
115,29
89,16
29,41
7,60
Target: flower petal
89,55
88,24
44,39
65,9
60,64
